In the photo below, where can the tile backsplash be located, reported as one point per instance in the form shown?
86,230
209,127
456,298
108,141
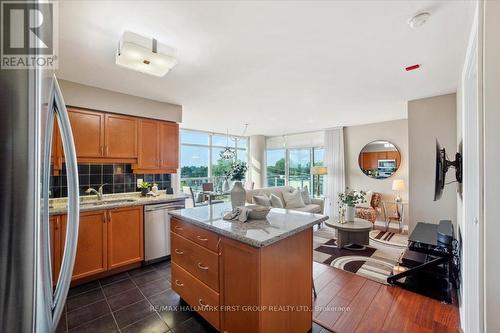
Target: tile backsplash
118,176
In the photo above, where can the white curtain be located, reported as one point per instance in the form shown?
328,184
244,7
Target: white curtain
334,161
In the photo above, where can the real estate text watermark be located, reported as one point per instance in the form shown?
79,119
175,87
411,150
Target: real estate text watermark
29,34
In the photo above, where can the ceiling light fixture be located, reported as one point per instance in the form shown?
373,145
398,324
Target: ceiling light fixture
419,19
145,55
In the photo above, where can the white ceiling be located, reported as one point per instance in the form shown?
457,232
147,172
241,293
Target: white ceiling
281,66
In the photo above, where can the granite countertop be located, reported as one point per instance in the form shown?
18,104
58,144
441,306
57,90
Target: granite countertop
279,223
90,202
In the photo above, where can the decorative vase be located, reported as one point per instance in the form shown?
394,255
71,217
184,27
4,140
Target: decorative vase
350,212
225,186
238,195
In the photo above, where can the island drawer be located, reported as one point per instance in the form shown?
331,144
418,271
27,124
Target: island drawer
196,234
196,294
197,260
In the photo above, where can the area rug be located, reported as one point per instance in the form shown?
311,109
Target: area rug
374,262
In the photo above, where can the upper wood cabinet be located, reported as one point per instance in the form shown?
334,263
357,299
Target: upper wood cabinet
102,136
88,132
149,144
158,147
120,136
169,145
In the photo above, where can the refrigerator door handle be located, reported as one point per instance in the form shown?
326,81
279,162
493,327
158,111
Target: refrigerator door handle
73,217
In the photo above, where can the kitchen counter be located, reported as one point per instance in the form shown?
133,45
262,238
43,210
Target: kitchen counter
279,223
89,203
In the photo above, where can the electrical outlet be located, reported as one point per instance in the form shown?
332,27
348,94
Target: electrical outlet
139,182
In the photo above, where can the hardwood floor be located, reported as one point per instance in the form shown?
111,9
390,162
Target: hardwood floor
347,302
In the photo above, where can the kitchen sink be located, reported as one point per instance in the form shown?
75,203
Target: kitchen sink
106,202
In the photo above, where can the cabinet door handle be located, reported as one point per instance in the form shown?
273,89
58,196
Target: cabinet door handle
178,283
109,217
202,239
178,228
102,150
179,252
200,302
203,267
107,150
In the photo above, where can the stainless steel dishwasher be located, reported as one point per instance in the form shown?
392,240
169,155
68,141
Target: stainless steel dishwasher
157,230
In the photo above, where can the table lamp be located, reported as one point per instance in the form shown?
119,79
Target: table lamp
398,185
318,171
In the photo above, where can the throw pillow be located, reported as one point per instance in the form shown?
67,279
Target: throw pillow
305,195
276,201
262,200
368,197
293,199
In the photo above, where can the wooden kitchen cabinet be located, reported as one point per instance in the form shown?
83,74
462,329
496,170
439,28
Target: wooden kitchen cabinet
88,132
57,152
125,236
120,136
149,145
107,239
158,147
169,146
91,253
104,137
56,245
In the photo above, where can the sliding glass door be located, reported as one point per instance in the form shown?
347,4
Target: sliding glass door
299,167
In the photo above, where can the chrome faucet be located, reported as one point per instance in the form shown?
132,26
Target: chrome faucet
98,192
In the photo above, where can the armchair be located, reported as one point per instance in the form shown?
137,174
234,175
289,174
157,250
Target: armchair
370,211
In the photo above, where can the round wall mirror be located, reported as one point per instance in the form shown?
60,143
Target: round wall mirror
379,159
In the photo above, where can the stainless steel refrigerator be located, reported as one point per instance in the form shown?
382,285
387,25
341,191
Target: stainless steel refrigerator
29,102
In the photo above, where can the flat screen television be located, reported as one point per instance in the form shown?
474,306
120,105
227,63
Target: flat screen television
442,166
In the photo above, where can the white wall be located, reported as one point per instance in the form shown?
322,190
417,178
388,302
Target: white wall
80,95
356,137
430,119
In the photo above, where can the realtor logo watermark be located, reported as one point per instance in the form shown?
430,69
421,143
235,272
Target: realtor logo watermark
29,35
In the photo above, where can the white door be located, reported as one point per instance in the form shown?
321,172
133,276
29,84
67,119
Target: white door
472,224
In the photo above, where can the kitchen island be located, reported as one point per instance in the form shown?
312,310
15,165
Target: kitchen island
245,277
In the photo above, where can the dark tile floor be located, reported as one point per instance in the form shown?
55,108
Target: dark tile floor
139,300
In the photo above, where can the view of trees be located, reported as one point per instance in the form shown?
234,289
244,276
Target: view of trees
191,171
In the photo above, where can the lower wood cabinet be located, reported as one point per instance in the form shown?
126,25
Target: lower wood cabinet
107,239
125,236
239,288
56,245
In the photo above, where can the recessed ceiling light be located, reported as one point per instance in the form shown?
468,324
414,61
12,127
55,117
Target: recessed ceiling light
419,19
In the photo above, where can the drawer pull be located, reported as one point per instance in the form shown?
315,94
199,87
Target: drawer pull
178,283
202,239
178,228
179,252
201,266
200,302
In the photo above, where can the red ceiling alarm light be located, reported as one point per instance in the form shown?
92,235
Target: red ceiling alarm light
412,68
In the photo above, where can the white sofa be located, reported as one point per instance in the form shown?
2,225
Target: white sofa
316,205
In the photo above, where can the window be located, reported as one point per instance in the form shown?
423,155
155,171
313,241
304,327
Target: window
200,157
276,174
318,160
299,167
293,167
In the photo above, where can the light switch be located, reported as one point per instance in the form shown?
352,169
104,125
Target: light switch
139,182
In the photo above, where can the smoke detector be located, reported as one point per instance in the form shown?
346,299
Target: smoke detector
419,19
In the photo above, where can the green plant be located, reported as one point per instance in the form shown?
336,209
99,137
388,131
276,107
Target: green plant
238,170
145,185
351,197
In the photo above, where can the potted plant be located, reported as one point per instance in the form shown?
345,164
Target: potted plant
145,188
238,193
349,199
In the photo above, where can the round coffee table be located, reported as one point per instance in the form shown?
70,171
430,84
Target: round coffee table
352,235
